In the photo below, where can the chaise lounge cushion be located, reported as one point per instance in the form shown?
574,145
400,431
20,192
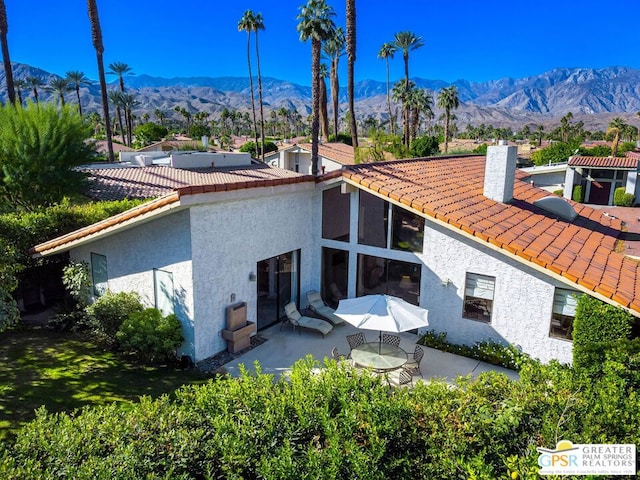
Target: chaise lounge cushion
298,320
318,306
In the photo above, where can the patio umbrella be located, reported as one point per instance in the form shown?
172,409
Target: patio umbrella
382,312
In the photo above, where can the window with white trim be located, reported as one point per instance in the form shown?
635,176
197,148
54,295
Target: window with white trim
478,297
564,311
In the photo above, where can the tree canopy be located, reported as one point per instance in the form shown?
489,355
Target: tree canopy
39,146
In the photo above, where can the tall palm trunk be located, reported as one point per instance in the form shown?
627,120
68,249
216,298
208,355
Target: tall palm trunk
405,106
447,117
96,33
8,72
316,47
253,100
260,100
391,118
335,89
324,114
351,56
78,96
19,92
62,99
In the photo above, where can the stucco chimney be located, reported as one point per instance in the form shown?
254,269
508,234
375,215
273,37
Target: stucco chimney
499,173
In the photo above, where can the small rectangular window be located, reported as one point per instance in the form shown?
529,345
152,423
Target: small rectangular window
163,289
336,214
564,311
478,297
99,273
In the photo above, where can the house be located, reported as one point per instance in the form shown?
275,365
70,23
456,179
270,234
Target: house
489,255
297,157
600,176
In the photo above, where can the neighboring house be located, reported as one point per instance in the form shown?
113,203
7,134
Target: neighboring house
297,157
467,238
600,176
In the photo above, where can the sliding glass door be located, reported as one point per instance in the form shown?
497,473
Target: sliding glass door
278,283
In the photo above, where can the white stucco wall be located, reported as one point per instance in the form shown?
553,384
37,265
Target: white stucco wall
523,296
230,237
133,254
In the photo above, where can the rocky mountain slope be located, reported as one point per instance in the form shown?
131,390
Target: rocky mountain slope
592,95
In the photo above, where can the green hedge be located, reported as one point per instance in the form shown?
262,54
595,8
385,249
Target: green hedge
621,198
577,195
597,326
333,423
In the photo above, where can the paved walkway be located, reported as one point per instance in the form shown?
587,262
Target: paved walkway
284,347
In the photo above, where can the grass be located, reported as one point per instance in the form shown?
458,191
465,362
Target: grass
64,372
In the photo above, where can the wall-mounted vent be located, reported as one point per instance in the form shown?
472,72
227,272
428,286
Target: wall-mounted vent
558,206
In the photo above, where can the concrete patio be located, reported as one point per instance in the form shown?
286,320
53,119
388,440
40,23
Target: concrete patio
284,347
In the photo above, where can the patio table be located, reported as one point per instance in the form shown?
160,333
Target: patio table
380,357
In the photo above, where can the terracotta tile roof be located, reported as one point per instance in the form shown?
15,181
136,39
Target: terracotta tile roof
101,147
238,180
338,152
603,162
450,190
632,155
155,181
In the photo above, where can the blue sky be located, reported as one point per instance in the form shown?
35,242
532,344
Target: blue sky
467,39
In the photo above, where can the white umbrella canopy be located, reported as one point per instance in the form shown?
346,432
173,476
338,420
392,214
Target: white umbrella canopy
382,312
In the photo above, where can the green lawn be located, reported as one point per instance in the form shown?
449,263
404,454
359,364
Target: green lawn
63,372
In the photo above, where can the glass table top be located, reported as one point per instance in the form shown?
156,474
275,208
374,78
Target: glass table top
379,356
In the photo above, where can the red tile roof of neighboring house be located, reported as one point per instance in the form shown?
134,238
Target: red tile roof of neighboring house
450,190
603,162
155,181
101,147
632,155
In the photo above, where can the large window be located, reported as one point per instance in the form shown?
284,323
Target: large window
407,231
335,275
373,220
564,310
478,297
391,277
335,214
99,273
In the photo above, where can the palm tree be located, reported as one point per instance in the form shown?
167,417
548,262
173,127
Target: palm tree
119,69
160,115
259,25
128,102
386,52
8,72
116,98
351,60
406,41
419,102
77,79
540,131
334,49
34,83
324,115
448,100
20,84
284,115
615,129
59,86
96,34
246,24
316,24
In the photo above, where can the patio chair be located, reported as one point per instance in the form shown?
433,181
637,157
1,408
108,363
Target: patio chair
300,321
403,378
413,366
391,339
317,305
336,355
356,339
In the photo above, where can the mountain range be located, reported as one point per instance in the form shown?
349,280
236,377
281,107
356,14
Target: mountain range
592,95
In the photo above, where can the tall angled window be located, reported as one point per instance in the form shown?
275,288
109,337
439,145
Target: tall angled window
373,220
564,311
335,214
478,297
99,273
407,230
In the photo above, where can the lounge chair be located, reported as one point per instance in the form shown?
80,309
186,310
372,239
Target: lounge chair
301,321
317,305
